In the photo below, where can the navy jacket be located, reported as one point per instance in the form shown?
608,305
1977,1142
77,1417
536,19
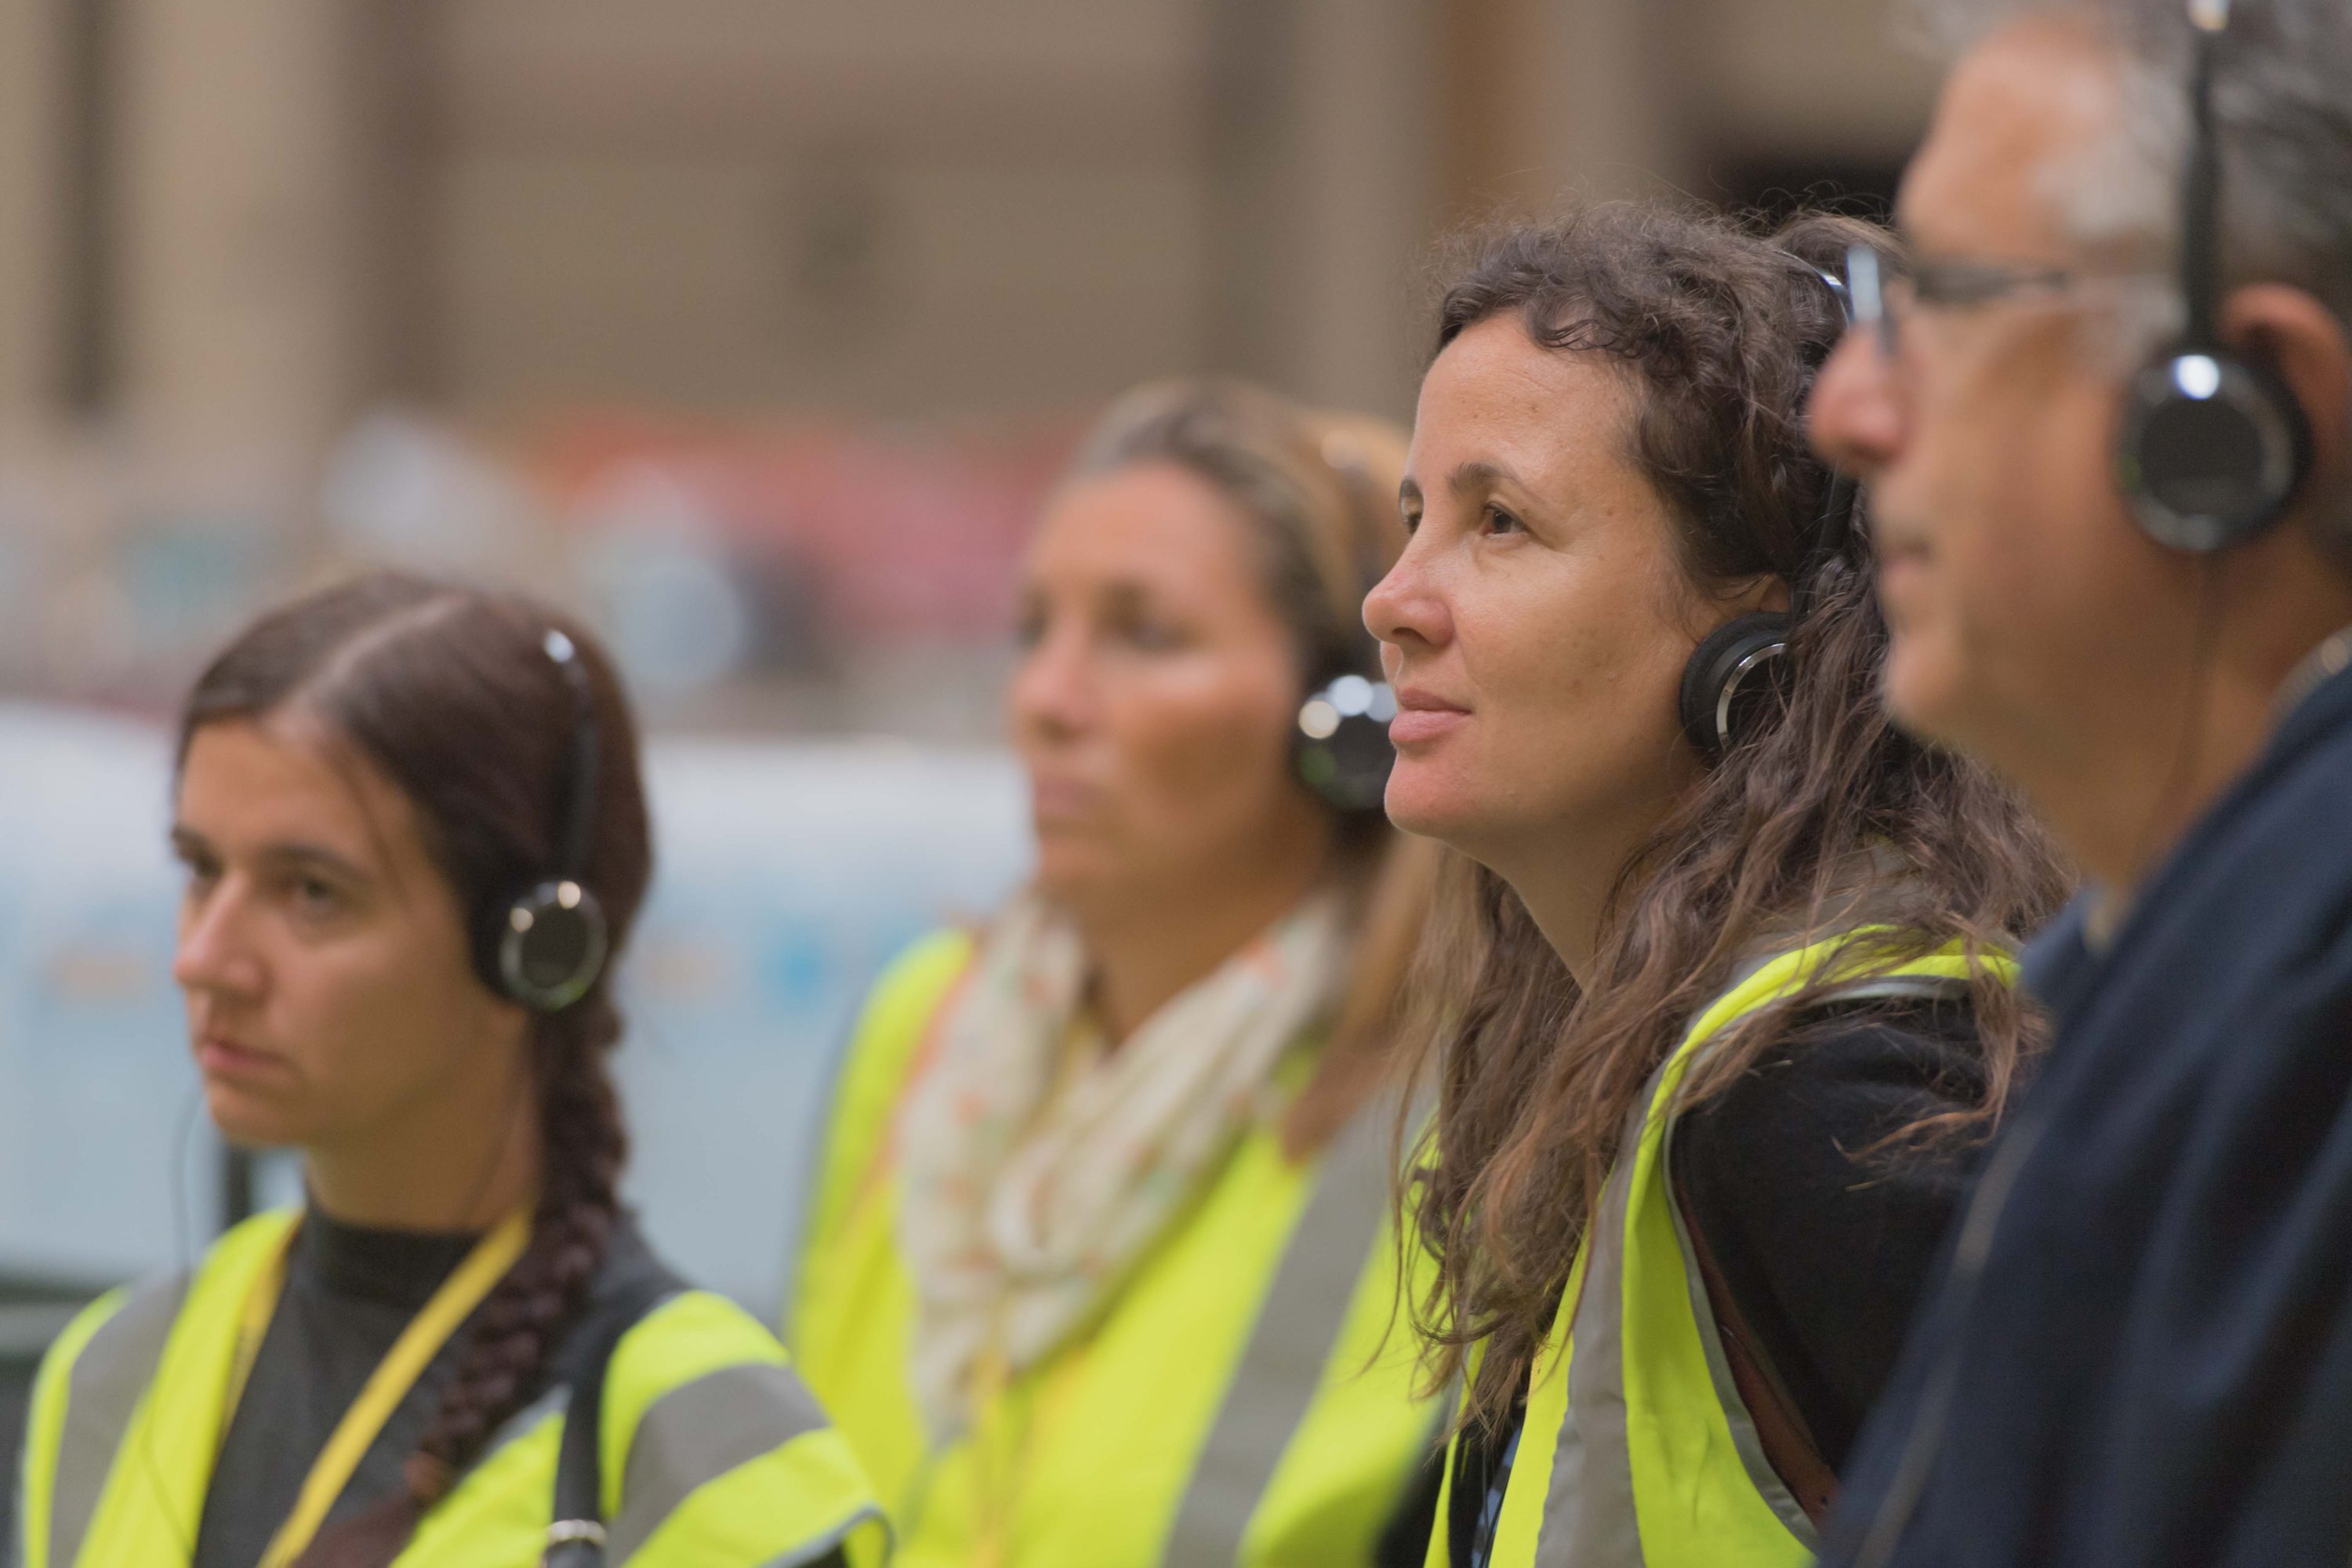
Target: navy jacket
2141,1352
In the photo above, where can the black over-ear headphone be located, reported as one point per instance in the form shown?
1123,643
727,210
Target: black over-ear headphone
2213,445
548,943
1740,669
1736,673
1340,746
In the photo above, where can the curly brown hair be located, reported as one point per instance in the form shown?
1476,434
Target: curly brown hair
444,690
1718,329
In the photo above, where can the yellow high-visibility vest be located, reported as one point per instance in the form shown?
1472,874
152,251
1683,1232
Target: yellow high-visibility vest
1636,1450
713,1452
1242,1398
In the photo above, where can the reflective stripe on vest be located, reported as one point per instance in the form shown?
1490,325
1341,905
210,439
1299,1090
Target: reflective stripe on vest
714,1452
1296,1331
76,1423
1241,1402
723,1419
1637,1450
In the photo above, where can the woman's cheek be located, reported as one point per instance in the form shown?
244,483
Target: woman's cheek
1211,763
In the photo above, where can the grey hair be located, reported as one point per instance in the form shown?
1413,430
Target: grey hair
2284,113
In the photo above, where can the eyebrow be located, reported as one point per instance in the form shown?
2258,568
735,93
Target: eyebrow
1121,594
1477,475
291,855
1126,596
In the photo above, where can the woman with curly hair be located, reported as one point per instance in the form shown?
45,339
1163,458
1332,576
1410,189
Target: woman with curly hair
1727,985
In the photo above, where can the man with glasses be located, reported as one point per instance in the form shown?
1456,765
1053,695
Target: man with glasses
2104,411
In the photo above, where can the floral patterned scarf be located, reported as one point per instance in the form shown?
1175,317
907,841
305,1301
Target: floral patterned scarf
1037,1166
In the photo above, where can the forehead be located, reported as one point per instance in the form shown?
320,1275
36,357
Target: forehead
248,786
1152,525
1496,394
2029,96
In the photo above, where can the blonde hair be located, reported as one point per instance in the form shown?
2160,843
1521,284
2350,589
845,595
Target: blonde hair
1319,489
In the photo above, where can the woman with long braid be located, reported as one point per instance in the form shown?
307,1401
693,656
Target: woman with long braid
415,836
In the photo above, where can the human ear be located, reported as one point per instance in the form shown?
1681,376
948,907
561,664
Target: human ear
2303,344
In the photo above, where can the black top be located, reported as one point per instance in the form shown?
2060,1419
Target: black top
349,1293
2145,1359
1824,1247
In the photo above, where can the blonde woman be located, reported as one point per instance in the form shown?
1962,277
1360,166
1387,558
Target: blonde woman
1097,1273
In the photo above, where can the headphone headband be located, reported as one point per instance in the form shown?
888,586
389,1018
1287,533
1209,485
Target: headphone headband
578,819
548,943
1739,669
2213,445
2200,196
1834,525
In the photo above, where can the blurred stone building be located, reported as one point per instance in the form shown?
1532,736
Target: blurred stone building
228,228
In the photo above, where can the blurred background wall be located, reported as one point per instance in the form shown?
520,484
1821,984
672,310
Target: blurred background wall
753,330
610,294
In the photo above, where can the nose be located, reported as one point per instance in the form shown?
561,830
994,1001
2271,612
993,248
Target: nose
1052,693
1406,609
216,955
1856,419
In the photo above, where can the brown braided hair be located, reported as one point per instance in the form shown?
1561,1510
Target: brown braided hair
444,690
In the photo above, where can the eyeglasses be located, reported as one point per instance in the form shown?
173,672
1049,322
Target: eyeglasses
1883,291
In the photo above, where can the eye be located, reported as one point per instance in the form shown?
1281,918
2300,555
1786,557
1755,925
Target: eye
1149,634
1410,512
314,898
1494,520
1029,630
203,872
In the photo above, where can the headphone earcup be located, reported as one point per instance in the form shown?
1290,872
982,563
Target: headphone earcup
546,948
1735,669
2211,449
1340,746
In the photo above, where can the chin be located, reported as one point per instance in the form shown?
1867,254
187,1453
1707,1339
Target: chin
1921,681
1068,878
246,1122
1428,809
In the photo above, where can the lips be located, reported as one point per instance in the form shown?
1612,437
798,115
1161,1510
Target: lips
217,1057
1896,537
1059,798
1900,556
1424,716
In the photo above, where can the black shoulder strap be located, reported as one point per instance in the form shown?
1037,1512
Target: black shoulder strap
1787,1442
575,1537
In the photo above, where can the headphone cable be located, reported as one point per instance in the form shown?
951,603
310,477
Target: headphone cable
2187,755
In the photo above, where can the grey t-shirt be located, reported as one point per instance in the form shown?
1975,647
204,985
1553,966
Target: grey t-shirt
349,1293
